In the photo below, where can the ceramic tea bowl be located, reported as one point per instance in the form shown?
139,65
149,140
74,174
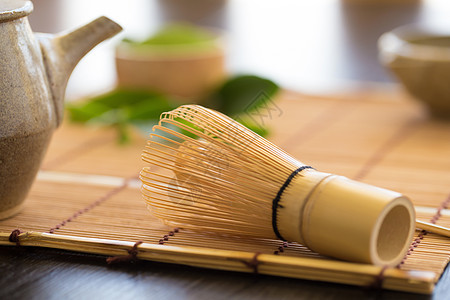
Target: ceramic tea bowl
419,56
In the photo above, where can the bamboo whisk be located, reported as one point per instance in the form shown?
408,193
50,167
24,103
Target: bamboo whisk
217,175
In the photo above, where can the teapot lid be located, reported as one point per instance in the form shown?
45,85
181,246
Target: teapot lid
14,9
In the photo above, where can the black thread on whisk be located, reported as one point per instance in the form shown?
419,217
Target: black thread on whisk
276,204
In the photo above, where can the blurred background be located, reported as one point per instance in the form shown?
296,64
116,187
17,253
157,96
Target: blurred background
320,46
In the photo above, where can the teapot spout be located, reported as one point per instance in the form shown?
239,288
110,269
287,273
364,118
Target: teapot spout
62,52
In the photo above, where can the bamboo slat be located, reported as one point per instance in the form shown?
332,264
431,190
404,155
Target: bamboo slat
86,197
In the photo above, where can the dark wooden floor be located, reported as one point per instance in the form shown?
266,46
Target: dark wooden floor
305,46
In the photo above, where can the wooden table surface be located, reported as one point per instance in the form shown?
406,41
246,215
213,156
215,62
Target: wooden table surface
53,274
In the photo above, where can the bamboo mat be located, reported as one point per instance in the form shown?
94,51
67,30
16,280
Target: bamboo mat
86,196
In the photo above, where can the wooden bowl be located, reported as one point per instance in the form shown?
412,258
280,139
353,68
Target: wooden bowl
186,72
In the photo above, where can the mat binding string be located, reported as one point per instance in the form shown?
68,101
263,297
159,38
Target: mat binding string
131,257
14,237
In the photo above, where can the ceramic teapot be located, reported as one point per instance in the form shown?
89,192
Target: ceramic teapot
34,70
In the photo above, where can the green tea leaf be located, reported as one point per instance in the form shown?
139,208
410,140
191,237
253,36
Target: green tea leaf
124,108
120,108
150,109
84,112
243,94
126,97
